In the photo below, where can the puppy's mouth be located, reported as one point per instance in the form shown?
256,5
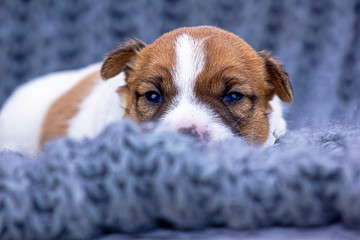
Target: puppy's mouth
202,137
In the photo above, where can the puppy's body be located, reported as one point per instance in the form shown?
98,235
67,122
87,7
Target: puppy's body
203,81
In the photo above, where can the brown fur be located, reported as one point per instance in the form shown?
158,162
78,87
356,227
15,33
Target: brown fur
117,60
148,69
231,65
150,72
278,77
55,124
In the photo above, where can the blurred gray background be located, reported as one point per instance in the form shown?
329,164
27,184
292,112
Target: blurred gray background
318,41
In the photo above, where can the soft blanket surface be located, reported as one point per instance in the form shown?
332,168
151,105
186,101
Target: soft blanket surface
127,181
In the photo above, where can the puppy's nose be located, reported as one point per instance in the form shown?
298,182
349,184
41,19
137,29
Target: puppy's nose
191,131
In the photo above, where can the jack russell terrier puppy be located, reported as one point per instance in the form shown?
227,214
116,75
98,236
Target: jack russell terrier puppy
203,81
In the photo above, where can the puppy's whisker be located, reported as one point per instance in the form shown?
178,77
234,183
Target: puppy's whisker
236,122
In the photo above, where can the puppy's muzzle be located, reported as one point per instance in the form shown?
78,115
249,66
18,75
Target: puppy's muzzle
193,131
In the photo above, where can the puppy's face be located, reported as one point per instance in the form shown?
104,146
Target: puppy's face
203,81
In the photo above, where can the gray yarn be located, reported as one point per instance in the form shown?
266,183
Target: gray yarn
128,181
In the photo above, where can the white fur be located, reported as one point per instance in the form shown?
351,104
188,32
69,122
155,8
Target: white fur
276,121
190,61
22,115
102,107
187,114
187,111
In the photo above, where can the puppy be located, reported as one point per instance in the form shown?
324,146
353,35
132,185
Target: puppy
202,81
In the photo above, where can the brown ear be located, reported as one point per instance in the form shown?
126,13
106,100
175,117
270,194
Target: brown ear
116,61
278,77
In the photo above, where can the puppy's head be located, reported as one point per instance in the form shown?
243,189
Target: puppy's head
203,81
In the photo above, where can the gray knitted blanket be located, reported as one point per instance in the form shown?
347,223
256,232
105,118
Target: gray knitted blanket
126,181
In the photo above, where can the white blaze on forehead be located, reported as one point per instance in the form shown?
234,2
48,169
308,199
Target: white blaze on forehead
190,61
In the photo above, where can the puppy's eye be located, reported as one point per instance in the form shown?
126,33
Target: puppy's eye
153,97
232,97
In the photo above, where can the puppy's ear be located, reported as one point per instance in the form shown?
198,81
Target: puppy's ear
118,59
278,77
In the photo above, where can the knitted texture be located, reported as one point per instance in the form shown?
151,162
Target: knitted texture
128,181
